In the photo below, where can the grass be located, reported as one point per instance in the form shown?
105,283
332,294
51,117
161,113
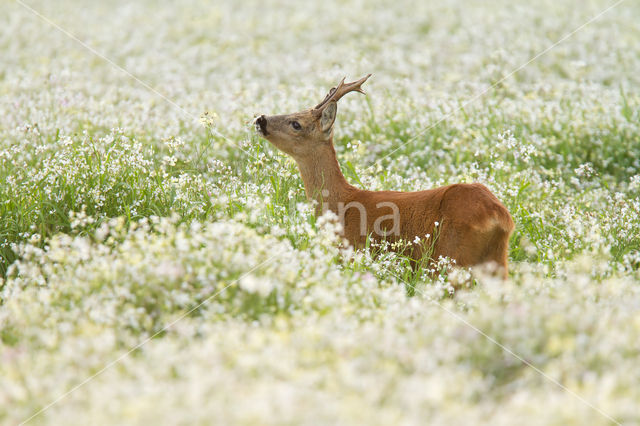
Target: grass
118,215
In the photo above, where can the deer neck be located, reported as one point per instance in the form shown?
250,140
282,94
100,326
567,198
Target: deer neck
323,179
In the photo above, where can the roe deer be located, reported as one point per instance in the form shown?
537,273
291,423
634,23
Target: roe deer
465,222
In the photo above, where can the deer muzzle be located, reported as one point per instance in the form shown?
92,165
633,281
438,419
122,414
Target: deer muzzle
261,125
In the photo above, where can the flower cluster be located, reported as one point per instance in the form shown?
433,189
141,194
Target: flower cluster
158,220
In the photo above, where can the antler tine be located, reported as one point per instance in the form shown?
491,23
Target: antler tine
342,89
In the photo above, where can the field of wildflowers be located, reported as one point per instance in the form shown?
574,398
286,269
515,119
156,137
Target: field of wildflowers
159,262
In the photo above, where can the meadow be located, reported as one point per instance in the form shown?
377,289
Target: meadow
160,264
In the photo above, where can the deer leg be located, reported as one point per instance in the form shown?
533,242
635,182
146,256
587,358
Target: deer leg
470,246
498,252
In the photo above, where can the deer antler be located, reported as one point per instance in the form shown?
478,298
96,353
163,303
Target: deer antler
342,89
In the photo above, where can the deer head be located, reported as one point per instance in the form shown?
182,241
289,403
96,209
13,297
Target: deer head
301,134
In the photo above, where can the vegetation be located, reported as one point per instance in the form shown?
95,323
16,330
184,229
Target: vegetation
163,224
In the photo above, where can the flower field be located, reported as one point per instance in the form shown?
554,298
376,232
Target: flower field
160,263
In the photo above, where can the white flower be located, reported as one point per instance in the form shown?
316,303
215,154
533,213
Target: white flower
260,285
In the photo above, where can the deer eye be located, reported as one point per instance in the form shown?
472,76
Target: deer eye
296,125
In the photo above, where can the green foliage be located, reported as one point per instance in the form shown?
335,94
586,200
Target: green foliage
124,218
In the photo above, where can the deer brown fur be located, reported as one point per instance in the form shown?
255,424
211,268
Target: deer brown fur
473,226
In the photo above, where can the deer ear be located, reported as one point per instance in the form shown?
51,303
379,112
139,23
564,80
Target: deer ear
328,116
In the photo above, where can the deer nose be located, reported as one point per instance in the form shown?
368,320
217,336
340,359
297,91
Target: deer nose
261,124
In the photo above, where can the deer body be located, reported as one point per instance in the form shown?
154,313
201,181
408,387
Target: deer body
465,222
